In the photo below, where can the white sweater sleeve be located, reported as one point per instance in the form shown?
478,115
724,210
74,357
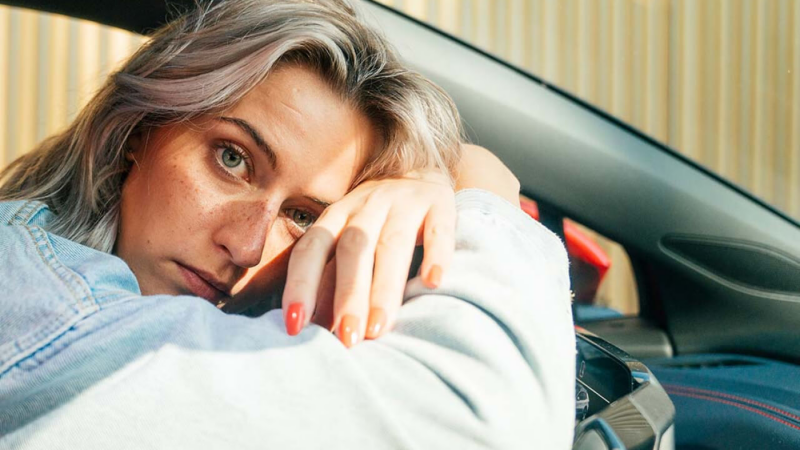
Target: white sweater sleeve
485,361
498,333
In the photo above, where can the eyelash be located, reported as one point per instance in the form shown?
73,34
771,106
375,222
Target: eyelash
227,145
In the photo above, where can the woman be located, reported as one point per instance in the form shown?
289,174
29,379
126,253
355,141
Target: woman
193,173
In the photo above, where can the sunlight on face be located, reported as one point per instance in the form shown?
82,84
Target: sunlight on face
211,208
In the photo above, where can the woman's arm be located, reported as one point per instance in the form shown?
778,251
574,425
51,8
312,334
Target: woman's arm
484,361
480,169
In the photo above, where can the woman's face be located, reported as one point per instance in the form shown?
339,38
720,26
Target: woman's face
208,204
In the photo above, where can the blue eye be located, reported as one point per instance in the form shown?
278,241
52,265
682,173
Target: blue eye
233,160
230,158
303,219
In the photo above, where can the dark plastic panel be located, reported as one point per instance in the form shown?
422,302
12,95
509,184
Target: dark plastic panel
637,336
750,264
141,16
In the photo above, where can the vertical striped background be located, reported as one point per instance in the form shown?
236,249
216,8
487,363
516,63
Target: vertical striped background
49,67
719,80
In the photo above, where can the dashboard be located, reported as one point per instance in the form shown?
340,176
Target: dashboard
619,403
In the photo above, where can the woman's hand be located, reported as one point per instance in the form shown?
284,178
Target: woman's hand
371,234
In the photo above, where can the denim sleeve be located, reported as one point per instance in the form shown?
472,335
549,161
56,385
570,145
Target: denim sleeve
484,361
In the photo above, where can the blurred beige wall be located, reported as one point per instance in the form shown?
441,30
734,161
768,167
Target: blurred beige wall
718,80
49,67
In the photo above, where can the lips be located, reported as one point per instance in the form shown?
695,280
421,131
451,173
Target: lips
203,284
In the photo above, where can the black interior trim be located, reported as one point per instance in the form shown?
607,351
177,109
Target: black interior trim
751,264
635,335
140,16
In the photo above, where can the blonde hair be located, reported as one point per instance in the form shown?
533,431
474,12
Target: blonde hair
206,61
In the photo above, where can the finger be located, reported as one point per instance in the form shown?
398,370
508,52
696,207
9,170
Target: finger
438,242
355,257
393,255
306,264
323,314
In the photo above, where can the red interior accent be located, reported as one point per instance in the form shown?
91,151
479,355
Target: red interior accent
578,244
581,246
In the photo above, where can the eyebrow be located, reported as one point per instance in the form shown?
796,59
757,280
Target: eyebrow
322,203
262,144
256,136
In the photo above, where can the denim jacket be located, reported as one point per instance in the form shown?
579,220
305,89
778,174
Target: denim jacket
484,361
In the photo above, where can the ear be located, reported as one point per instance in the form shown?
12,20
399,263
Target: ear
132,145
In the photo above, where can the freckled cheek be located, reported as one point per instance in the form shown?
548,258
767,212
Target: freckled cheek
189,203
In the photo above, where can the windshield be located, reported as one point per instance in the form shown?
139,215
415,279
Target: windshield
717,80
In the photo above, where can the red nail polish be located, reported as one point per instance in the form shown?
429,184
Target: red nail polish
434,276
348,330
377,320
295,317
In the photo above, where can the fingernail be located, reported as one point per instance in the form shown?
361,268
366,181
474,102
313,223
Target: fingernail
377,320
434,276
295,316
348,330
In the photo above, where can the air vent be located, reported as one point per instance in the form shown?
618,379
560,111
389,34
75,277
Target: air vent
746,263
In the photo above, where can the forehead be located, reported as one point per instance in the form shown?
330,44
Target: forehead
317,137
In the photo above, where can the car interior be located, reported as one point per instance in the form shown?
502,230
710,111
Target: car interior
711,360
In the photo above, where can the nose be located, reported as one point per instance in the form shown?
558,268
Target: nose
243,231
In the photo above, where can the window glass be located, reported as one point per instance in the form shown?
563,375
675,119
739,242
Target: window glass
717,80
601,275
616,293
